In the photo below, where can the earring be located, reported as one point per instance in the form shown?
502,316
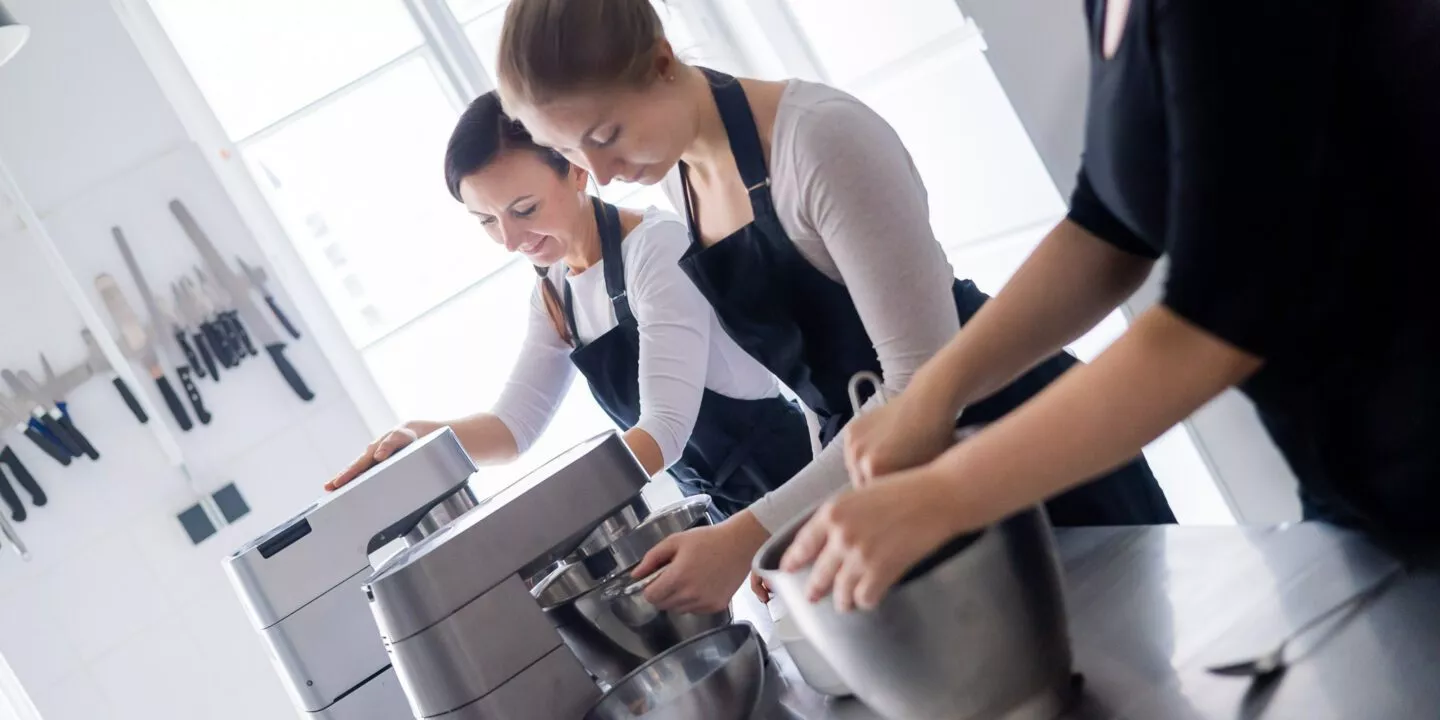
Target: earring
670,79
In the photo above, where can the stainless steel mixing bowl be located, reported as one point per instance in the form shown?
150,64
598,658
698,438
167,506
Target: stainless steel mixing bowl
625,550
610,626
977,630
724,674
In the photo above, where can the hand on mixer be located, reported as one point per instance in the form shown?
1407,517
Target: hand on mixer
704,566
383,448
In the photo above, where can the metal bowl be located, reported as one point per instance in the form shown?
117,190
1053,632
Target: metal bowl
610,625
724,674
588,540
626,550
976,630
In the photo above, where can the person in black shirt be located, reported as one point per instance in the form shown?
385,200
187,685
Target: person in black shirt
1285,155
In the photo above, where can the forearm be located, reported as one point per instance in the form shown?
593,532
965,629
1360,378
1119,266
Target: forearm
823,477
1068,284
642,444
486,438
1092,419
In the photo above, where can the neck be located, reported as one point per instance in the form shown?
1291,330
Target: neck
584,245
710,144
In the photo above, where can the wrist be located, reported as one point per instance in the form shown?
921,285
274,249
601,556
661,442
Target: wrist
938,392
745,531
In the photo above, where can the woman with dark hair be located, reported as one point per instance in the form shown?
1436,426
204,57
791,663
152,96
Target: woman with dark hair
811,239
612,303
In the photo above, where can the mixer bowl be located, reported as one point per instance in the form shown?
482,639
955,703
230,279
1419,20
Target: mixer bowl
977,630
610,626
589,540
626,550
723,674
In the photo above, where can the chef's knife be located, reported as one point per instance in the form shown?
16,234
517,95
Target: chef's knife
9,461
171,315
249,314
229,317
25,425
191,318
156,320
215,331
224,324
259,279
50,399
48,417
139,344
97,362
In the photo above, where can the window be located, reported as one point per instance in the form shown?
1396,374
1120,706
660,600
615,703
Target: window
341,112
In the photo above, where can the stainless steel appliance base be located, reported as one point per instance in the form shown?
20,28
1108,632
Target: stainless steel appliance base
556,686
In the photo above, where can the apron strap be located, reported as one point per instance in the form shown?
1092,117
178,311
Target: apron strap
740,126
607,221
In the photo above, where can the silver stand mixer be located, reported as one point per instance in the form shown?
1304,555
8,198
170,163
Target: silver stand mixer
466,639
301,582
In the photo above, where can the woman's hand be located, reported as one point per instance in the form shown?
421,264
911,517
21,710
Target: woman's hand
906,432
381,449
704,567
862,541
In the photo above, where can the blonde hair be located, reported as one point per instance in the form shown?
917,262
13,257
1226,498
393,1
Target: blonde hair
549,48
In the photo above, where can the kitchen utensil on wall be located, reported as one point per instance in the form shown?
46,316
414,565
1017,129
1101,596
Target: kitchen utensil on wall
14,537
138,345
10,462
225,316
239,293
158,320
259,280
217,333
98,363
170,317
48,417
52,400
28,426
191,319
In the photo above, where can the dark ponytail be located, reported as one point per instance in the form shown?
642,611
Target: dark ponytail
483,132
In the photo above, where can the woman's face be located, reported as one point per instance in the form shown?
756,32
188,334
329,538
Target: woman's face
527,206
632,135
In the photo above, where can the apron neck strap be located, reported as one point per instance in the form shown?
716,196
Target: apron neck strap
740,128
607,221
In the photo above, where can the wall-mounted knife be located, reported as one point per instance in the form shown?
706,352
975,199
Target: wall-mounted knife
225,346
157,318
9,531
98,363
26,425
227,317
239,294
11,462
48,417
52,400
138,344
191,318
260,281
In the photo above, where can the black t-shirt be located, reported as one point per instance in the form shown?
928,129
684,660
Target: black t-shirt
1285,155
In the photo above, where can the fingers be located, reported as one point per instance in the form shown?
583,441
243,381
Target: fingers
356,468
393,441
658,557
761,590
850,573
808,541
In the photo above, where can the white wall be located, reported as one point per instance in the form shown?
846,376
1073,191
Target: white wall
117,615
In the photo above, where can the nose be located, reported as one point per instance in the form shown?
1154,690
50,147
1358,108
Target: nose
510,236
601,168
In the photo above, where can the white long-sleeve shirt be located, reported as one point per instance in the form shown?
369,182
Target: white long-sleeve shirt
854,205
683,350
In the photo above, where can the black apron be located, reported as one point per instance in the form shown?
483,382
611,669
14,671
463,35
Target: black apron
804,327
739,449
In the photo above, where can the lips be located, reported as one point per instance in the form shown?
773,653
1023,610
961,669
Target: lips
529,248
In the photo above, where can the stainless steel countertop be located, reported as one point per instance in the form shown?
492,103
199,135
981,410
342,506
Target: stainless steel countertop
1150,608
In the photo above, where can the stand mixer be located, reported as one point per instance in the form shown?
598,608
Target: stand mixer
466,638
301,582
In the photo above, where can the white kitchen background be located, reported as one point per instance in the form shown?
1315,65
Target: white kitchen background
318,126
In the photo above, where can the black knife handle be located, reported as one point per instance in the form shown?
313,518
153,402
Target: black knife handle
243,333
48,445
202,345
220,343
67,441
193,393
23,476
177,410
85,445
280,315
7,493
131,401
190,358
277,353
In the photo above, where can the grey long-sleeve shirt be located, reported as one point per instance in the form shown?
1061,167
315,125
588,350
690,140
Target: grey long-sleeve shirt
852,201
